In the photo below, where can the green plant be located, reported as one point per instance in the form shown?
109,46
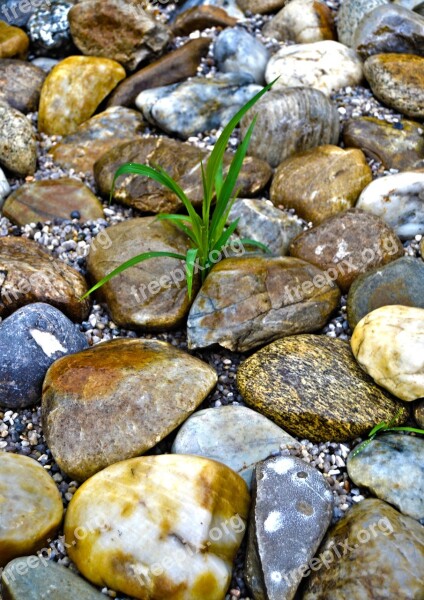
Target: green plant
207,231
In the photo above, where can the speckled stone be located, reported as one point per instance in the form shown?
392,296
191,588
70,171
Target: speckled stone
20,84
364,556
291,511
32,508
199,18
349,16
418,411
321,182
236,50
348,244
18,150
48,28
398,81
261,6
14,42
249,301
303,22
389,345
399,282
312,386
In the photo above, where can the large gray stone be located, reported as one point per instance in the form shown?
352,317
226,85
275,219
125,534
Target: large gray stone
349,16
235,50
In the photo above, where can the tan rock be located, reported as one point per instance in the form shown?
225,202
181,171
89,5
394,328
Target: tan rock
261,6
13,41
201,17
303,22
18,147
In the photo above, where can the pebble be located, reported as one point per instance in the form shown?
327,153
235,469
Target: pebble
14,42
303,22
18,150
235,50
48,28
351,14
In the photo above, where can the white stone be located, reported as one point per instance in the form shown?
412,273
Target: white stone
298,21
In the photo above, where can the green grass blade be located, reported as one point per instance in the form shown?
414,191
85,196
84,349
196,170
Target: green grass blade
409,429
249,242
190,264
225,236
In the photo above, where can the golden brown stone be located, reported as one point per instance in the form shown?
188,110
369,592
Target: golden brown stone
201,17
13,41
261,6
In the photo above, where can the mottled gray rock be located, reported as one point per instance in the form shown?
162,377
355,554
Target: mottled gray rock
48,28
230,6
16,12
234,435
4,188
30,341
20,84
18,151
235,50
291,511
349,16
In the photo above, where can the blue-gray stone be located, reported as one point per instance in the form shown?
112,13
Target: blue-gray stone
17,12
230,7
349,16
197,105
235,50
31,339
48,29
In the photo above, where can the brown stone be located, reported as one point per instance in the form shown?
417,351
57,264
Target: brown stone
261,6
199,18
20,84
321,182
13,41
347,245
302,21
18,147
418,411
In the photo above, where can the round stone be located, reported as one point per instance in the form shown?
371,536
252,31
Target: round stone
302,21
18,149
13,41
349,16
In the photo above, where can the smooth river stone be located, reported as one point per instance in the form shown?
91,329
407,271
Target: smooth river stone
236,50
321,182
398,81
234,435
350,14
18,148
50,200
73,90
399,201
20,84
159,527
28,274
391,467
246,302
312,386
397,145
418,411
348,244
117,400
199,18
389,345
373,552
291,120
302,21
14,42
31,506
261,6
399,282
292,509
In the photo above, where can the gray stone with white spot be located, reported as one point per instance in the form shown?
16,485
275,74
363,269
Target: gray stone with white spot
31,339
291,511
236,50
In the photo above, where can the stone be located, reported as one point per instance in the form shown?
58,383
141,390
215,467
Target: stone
321,182
373,562
388,343
398,81
20,84
51,200
291,120
32,508
236,50
234,435
199,18
90,398
73,90
398,145
95,137
411,4
28,273
260,220
261,6
391,467
13,41
389,28
249,301
174,66
350,14
400,282
31,339
312,386
181,161
48,28
231,7
418,411
348,244
399,201
118,30
45,63
16,12
34,577
326,66
291,511
4,188
174,527
18,149
419,8
303,22
201,104
153,294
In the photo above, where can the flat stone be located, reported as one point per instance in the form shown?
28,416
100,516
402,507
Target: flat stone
199,18
234,435
261,6
236,50
291,120
52,199
173,528
303,22
389,345
397,145
28,273
73,90
321,182
418,411
312,386
400,282
399,201
249,301
348,244
4,187
48,28
350,14
391,467
182,162
377,567
14,42
32,508
18,150
326,66
174,66
398,81
20,84
260,220
292,509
